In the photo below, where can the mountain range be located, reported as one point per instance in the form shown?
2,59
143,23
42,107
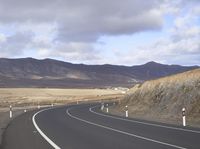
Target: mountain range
29,72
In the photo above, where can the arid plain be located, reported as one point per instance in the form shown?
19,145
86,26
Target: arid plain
34,96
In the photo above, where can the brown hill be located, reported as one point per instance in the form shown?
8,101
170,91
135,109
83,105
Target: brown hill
163,99
29,72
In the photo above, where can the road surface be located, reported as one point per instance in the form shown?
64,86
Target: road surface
85,127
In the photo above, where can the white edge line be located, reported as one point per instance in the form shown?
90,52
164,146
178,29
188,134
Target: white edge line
122,132
135,121
42,133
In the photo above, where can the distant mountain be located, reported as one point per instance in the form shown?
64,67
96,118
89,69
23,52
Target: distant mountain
29,72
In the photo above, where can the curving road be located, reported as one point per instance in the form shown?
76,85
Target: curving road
85,127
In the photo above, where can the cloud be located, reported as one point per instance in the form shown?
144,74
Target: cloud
2,38
89,29
182,45
70,29
16,44
76,52
85,20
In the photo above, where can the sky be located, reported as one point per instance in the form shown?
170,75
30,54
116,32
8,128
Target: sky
121,32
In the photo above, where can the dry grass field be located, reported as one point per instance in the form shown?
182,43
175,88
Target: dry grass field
34,96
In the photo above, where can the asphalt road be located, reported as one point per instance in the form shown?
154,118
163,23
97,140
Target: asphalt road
85,127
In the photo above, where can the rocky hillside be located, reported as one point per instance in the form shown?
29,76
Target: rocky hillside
29,72
164,98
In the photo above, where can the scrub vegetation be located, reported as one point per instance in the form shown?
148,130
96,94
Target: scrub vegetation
164,98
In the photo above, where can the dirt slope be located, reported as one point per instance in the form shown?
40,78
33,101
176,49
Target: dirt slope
164,98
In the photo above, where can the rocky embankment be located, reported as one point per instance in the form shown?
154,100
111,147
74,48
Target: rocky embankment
163,99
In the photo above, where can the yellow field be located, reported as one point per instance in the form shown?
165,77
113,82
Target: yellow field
20,96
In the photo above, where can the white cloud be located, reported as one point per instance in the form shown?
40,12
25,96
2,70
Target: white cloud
73,52
84,20
2,38
181,47
16,44
69,30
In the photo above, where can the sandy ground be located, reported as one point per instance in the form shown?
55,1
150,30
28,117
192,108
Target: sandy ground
35,96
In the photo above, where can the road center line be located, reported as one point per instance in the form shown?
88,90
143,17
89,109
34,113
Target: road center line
139,122
122,132
42,133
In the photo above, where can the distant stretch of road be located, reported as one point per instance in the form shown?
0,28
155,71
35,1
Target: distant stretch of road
84,126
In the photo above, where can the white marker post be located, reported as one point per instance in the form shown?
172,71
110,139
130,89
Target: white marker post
107,108
184,118
10,111
24,110
126,110
38,107
102,106
52,105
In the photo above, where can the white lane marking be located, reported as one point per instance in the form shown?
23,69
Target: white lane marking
145,123
123,132
42,133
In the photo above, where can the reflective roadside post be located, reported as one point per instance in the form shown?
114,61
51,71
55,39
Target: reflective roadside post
102,106
107,108
38,105
126,110
184,117
10,111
